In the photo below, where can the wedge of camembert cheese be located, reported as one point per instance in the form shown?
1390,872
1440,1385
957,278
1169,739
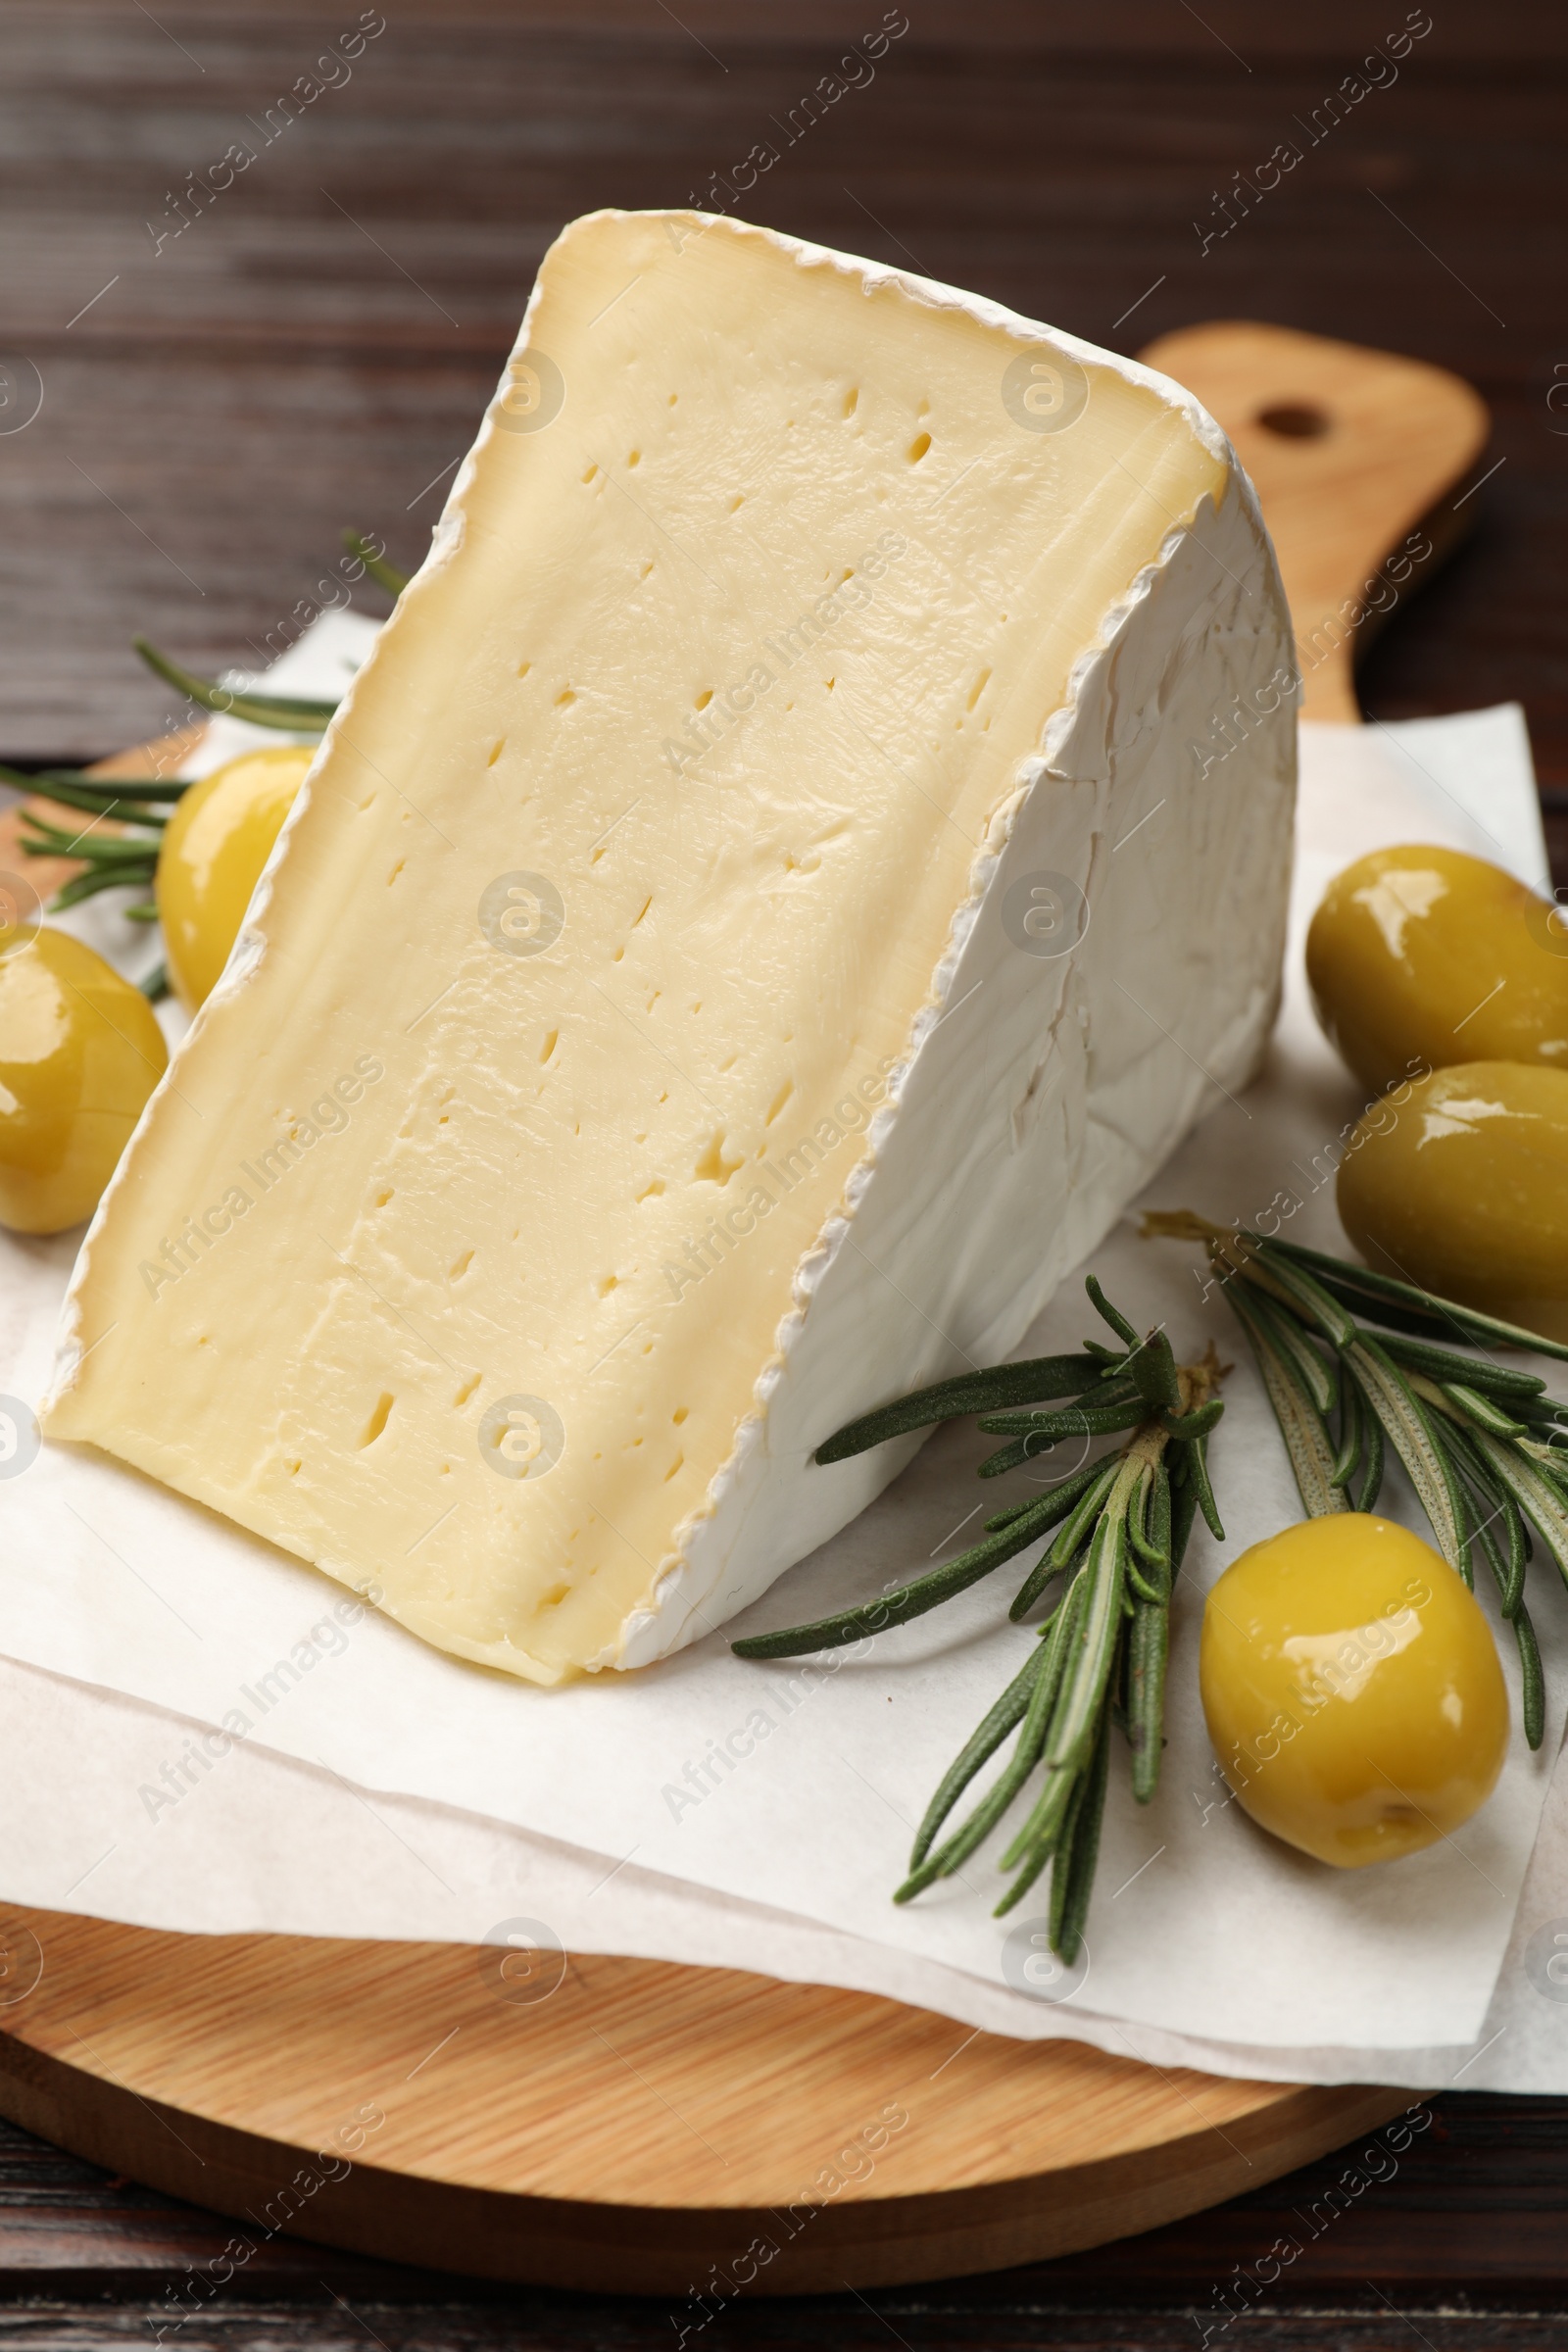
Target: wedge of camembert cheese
809,843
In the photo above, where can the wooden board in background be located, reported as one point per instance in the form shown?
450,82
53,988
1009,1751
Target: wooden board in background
1353,453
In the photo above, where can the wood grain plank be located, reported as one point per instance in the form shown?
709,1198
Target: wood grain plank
272,374
635,2126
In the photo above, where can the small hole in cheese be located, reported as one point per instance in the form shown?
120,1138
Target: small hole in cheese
851,399
381,1199
608,1283
635,458
652,1190
551,1038
378,1421
465,1392
918,446
779,1100
712,1167
496,750
563,701
460,1266
679,1414
678,1463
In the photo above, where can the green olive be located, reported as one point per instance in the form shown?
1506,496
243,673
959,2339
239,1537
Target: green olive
1418,958
1459,1181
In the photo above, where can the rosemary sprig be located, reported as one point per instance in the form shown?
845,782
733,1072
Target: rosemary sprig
74,788
1483,1445
130,857
107,862
1122,1526
124,858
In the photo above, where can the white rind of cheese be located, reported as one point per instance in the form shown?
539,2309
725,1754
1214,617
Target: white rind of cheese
1023,1099
1067,1094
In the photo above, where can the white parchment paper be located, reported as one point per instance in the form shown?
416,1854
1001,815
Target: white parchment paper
277,1758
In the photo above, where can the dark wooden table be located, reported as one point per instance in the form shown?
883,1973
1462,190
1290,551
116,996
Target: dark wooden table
312,349
1458,2245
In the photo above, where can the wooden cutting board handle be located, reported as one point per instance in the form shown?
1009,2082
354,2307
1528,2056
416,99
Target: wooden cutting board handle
1352,452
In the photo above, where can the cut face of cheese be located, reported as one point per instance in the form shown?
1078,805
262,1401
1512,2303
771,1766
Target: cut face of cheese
772,897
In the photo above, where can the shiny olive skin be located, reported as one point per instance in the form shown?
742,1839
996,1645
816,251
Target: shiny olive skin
80,1054
219,839
1459,1183
1352,1690
1420,956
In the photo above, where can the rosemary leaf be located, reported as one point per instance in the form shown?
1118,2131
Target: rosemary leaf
1149,1519
1147,1648
297,715
1300,1424
1011,1458
1091,1504
1041,1377
1442,1318
1072,1421
1533,1686
981,1745
98,878
1072,1724
98,801
1110,1314
1144,1590
1153,1369
114,849
1499,1503
1063,1495
1376,1460
1198,1456
1044,1570
1396,1404
379,569
1287,1337
1074,1879
1482,1410
1442,1364
1532,1492
1352,1434
1183,1510
1031,1738
1312,1302
126,788
909,1600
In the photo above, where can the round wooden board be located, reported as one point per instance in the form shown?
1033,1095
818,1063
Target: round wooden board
639,2128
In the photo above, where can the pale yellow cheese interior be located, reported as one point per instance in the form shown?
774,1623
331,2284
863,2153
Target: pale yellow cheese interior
778,505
